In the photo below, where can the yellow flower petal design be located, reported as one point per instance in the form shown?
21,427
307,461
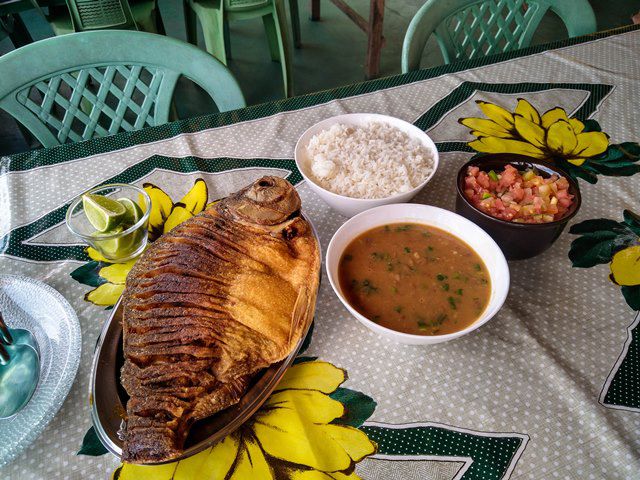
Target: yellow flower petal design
313,406
316,475
212,464
321,376
561,138
485,127
96,255
179,214
577,125
528,111
147,472
576,161
105,295
298,441
344,476
161,205
591,144
196,198
117,272
505,145
530,131
625,266
355,442
251,463
501,116
310,475
552,116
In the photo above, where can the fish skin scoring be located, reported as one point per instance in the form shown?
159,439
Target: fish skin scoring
222,296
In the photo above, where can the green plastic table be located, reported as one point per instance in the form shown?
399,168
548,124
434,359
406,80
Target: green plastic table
549,388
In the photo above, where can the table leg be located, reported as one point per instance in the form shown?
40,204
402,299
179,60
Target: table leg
315,10
295,23
374,44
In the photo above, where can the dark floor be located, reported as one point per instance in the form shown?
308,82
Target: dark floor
332,53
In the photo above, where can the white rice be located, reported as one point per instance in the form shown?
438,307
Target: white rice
373,161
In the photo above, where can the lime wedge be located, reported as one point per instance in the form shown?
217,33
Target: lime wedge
117,247
103,213
134,212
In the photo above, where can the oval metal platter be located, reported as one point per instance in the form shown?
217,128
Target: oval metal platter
108,397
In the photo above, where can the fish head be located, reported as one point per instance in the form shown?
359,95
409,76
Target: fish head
267,201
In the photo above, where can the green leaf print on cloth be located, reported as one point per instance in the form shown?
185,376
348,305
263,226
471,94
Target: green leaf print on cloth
617,243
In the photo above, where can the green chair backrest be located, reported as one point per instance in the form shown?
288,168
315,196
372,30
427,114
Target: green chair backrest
100,15
238,5
467,29
92,84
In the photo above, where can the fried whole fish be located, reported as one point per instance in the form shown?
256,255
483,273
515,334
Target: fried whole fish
223,295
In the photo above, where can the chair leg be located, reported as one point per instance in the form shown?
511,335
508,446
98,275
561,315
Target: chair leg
190,22
19,35
273,38
282,31
295,22
212,25
157,18
227,39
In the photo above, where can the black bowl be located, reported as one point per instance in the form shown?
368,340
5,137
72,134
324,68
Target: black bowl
517,240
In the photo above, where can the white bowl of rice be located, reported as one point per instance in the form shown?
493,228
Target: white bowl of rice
358,161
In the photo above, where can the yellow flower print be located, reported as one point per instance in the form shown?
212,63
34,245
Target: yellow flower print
109,278
165,215
625,266
549,136
294,436
114,276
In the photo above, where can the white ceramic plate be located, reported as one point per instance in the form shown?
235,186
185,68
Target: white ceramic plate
35,306
448,221
348,206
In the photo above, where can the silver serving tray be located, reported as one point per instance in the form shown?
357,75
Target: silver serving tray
108,398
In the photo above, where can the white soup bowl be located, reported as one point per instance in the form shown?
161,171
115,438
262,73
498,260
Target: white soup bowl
428,215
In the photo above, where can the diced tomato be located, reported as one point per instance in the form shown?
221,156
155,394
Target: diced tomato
512,198
516,191
483,180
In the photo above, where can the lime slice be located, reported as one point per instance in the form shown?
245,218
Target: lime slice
117,247
103,213
133,212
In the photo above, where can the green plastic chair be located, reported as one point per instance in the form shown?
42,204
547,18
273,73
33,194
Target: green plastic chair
214,16
145,13
127,77
86,15
467,29
100,15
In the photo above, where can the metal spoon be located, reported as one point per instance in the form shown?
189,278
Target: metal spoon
19,371
17,336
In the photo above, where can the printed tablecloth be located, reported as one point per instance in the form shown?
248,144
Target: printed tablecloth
549,388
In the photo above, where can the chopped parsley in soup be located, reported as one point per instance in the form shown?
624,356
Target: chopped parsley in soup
415,279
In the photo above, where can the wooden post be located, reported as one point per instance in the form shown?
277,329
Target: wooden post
315,10
374,43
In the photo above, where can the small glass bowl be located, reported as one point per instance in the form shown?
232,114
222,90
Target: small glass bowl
117,247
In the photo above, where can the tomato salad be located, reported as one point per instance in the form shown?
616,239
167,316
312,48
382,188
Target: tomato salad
521,197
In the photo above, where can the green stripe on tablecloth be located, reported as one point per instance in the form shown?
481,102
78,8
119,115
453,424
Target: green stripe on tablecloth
27,160
597,92
623,389
491,455
15,242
